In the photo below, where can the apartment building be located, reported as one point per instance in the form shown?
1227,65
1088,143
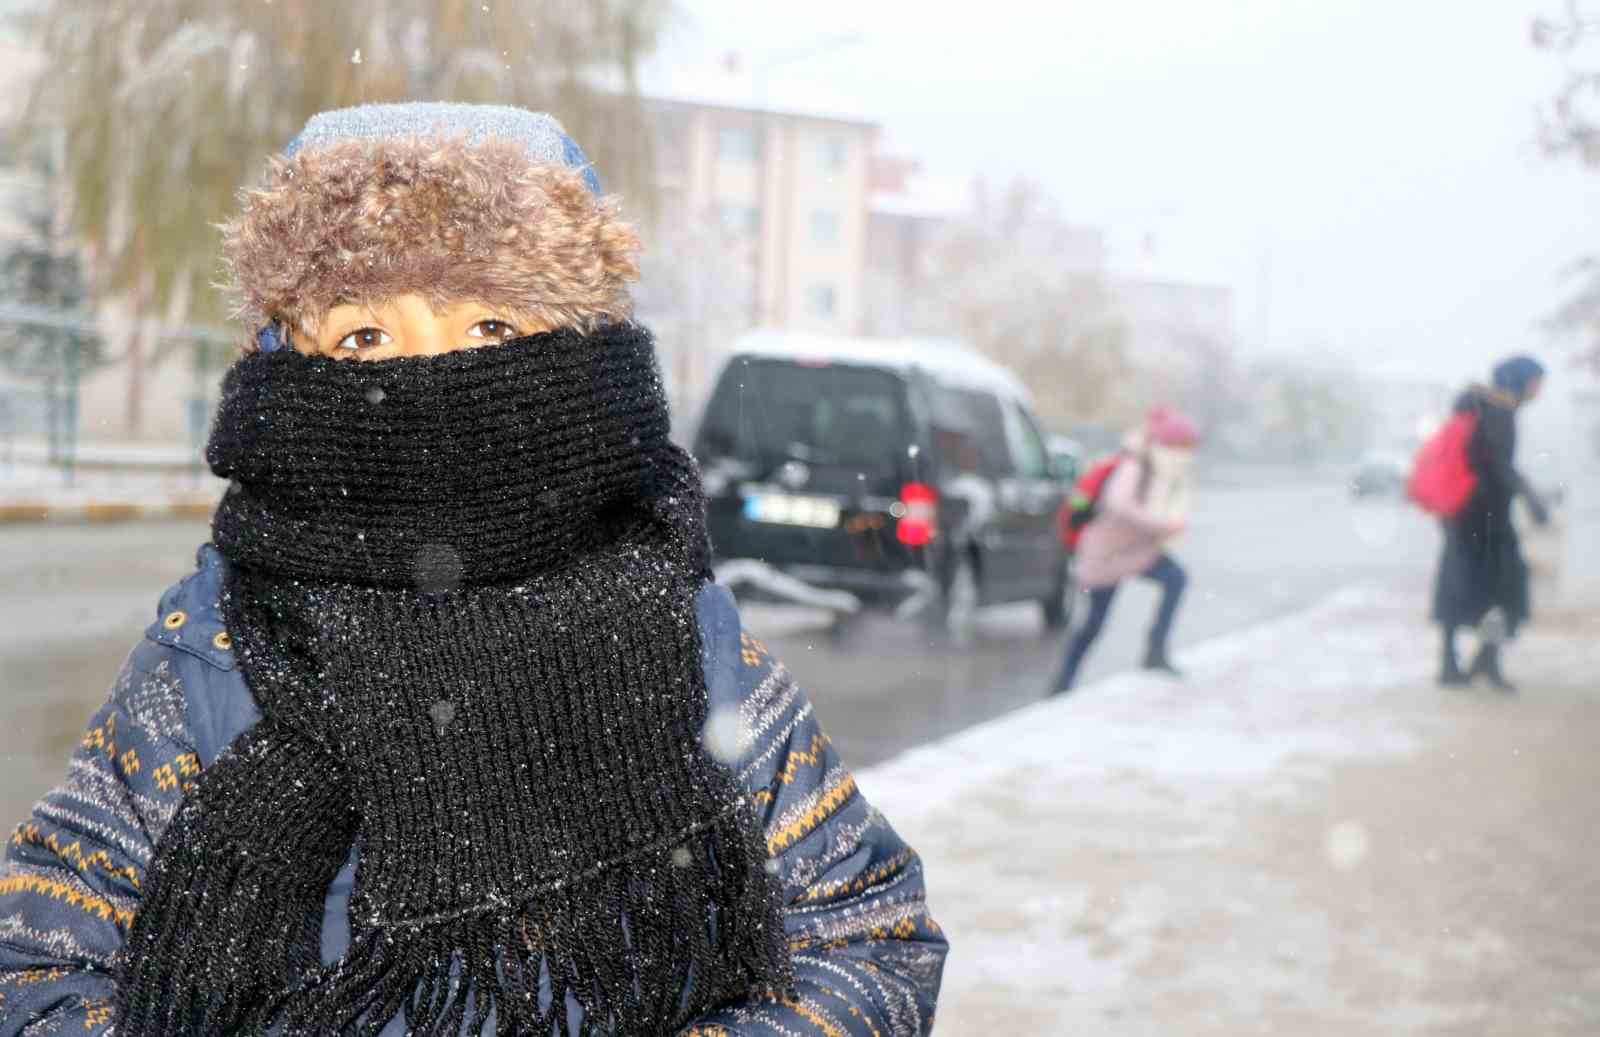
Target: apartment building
761,220
789,187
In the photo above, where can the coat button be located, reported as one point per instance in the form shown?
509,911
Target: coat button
175,619
222,640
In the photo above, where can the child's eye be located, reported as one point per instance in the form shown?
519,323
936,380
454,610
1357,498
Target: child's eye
495,329
362,338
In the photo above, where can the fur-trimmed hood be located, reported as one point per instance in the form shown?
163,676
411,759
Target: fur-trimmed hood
437,213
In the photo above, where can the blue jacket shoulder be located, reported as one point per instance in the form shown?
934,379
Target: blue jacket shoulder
189,632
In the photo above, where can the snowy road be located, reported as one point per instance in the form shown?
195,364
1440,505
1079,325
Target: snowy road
76,597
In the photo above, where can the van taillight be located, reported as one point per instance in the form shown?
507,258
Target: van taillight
919,514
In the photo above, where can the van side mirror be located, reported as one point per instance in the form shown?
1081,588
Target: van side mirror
1063,468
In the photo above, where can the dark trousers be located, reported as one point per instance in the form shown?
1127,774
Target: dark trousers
1165,571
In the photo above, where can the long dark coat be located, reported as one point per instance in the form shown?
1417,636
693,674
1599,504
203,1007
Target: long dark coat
1482,566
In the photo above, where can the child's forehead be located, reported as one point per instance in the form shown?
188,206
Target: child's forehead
379,306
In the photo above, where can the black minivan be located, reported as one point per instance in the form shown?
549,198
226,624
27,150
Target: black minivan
909,473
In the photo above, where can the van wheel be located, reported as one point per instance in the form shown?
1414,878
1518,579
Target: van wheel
954,617
1057,606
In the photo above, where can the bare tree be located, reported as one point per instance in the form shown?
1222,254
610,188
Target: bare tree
696,290
168,107
1570,125
1204,380
1002,278
1298,413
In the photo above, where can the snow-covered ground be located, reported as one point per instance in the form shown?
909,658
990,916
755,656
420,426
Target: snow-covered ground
1304,837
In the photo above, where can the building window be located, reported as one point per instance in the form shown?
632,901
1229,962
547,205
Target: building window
825,228
737,144
835,153
740,220
821,300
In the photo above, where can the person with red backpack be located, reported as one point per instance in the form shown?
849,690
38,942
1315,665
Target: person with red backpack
1465,475
1081,508
1124,511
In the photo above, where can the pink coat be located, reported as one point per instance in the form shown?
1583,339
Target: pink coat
1125,537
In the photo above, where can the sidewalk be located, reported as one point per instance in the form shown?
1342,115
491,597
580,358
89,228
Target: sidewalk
1305,837
107,486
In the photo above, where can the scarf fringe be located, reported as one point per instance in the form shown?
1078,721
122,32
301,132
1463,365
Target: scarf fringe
220,932
709,901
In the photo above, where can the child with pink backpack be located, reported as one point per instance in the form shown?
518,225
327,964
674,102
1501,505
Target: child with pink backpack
1139,506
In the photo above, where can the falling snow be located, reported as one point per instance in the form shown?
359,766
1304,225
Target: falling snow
437,568
726,736
1347,845
442,712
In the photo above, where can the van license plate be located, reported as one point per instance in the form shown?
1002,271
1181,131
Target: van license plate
786,509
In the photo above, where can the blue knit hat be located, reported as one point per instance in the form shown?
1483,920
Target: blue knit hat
543,135
1516,373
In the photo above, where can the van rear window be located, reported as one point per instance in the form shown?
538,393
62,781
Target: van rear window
768,410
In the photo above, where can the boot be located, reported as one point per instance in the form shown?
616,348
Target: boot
1487,666
1450,675
1155,658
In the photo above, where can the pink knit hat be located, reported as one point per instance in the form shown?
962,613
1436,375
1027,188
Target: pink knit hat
1172,428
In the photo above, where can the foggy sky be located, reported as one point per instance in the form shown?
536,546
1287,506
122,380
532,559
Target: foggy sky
1364,173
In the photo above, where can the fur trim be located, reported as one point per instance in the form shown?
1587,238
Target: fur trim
361,221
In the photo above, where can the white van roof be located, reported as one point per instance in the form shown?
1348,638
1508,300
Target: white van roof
946,360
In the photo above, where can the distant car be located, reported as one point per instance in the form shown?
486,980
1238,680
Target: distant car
910,474
1381,475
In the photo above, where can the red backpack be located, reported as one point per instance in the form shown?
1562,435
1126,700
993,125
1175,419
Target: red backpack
1079,509
1442,479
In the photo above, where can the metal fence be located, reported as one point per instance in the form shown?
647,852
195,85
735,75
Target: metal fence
68,379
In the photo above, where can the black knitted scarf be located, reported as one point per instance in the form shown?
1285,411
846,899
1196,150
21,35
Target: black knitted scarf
462,592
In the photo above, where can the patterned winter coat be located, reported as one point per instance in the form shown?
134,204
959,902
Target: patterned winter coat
867,955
